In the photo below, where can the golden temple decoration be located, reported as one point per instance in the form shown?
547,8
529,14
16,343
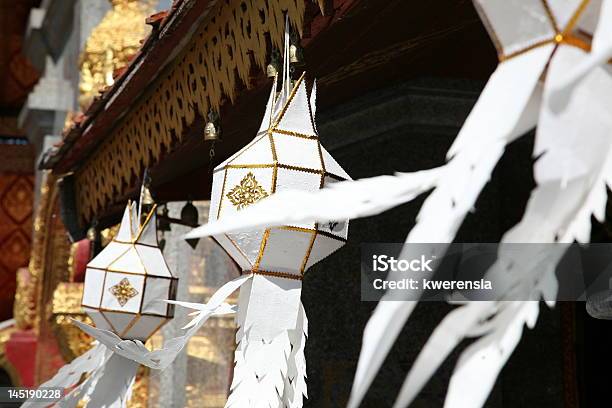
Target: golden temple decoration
111,45
123,291
26,298
66,305
24,308
108,234
49,265
247,192
229,40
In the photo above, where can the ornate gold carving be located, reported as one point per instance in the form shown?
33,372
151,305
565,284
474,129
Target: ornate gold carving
229,40
48,267
108,234
24,308
26,298
123,291
111,45
247,192
67,298
66,305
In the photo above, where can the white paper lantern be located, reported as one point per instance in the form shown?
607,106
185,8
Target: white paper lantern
285,154
127,281
125,290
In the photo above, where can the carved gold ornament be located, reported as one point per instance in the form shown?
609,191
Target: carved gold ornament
247,192
123,291
111,45
66,305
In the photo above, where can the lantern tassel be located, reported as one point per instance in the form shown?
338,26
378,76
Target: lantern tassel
108,385
114,387
270,368
295,381
68,376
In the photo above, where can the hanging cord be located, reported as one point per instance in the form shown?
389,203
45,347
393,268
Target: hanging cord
211,156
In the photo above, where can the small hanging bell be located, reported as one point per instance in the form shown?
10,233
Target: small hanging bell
293,54
146,201
210,131
271,70
189,216
146,197
163,221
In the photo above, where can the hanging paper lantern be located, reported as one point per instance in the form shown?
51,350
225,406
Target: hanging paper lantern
286,154
124,282
123,293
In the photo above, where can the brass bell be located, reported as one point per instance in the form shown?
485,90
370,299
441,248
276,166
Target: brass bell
91,233
210,132
145,196
271,71
293,57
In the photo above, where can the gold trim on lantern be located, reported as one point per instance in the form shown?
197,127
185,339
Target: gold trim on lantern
262,248
560,37
222,193
103,309
289,100
248,166
295,134
132,273
130,325
282,166
273,147
308,251
277,274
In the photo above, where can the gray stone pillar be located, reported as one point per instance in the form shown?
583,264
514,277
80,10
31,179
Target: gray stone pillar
44,113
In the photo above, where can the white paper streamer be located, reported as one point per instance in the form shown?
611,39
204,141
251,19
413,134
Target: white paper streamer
114,388
268,359
295,380
343,200
69,375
